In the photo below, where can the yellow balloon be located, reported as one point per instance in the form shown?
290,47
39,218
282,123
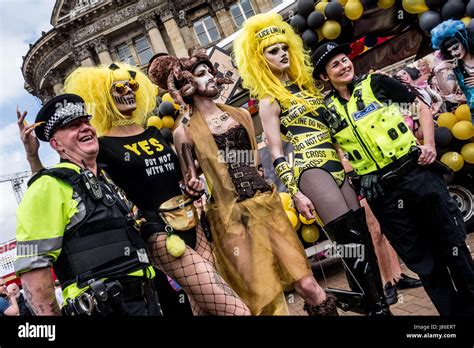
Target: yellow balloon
385,4
286,200
331,29
415,6
298,225
305,221
320,6
292,217
353,10
319,31
447,119
310,233
466,20
463,130
453,160
167,97
467,153
154,121
168,122
463,113
342,2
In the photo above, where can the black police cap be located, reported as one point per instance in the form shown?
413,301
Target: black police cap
58,112
324,53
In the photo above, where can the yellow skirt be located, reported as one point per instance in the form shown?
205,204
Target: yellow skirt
258,252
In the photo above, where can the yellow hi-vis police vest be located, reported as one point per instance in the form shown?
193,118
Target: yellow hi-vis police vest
371,133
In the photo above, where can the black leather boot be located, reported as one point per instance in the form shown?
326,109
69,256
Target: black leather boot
354,245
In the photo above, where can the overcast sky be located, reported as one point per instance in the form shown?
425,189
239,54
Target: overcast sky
21,23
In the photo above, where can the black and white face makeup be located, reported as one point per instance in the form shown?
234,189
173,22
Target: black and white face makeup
124,97
205,81
457,50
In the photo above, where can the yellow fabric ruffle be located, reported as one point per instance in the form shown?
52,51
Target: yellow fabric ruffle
256,249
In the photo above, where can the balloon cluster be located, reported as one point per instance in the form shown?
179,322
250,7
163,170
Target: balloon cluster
456,125
433,12
168,111
326,19
307,228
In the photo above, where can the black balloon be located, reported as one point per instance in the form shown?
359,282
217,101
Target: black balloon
429,20
471,25
434,4
369,3
299,23
305,7
167,134
333,11
453,9
443,137
315,20
166,109
470,8
310,38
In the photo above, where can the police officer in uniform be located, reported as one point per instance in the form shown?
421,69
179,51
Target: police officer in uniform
403,185
75,219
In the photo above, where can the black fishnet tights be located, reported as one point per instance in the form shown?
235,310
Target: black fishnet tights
328,199
208,293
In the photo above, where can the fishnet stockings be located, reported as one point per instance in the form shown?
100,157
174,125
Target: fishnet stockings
328,199
208,293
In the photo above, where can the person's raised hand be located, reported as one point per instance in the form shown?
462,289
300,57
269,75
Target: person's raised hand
27,134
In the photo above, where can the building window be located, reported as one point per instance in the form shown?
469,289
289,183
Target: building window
206,31
143,49
241,11
276,2
124,55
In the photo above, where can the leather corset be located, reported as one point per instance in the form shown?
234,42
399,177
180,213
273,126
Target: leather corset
235,150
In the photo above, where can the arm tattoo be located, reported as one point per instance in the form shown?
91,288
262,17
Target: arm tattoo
451,77
53,303
41,308
29,298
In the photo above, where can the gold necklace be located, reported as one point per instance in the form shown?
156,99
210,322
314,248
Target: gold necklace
217,121
122,123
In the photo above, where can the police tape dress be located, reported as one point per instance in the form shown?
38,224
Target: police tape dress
256,249
310,137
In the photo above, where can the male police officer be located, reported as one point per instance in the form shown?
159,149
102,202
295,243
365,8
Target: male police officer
408,197
74,218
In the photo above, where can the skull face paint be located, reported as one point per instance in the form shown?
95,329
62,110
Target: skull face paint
125,102
205,81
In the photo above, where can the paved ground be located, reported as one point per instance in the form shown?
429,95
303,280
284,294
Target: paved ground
410,301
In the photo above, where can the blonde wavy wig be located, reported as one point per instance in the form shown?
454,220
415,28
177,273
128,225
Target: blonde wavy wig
94,86
256,75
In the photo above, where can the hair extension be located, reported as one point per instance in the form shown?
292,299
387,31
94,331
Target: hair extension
94,84
254,70
446,33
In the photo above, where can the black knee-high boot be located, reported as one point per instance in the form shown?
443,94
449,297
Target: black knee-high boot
354,245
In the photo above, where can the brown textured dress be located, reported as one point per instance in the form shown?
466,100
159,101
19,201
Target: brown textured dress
256,249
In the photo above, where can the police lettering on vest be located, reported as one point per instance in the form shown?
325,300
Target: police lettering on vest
371,133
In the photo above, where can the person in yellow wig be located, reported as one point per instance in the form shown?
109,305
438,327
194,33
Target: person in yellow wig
277,70
144,165
256,248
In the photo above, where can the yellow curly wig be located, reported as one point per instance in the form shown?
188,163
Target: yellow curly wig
257,76
94,86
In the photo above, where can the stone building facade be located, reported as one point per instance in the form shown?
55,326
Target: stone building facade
92,32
